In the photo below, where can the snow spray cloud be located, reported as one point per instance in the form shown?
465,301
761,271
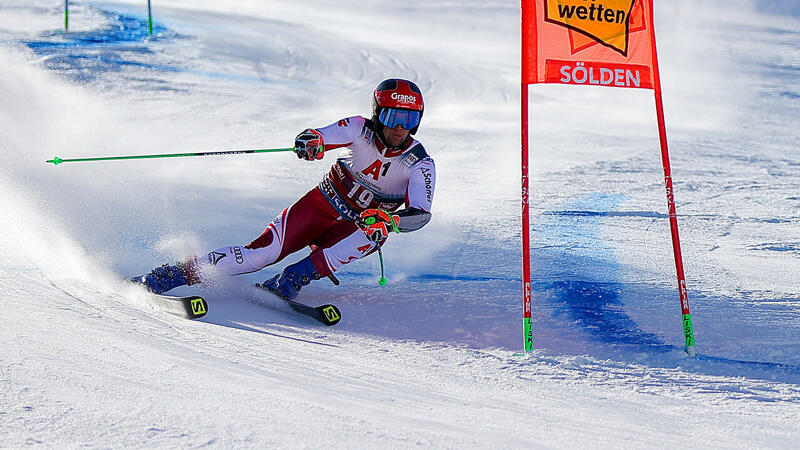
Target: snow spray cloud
46,116
40,116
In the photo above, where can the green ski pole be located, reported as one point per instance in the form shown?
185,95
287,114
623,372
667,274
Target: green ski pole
382,280
149,19
56,160
370,221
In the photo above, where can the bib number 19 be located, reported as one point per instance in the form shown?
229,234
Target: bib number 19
362,199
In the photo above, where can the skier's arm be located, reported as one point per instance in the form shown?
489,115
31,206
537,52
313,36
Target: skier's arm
412,219
419,197
312,143
377,223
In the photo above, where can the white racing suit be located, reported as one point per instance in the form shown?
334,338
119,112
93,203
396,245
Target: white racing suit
365,175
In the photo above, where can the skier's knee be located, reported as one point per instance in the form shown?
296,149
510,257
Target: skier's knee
236,260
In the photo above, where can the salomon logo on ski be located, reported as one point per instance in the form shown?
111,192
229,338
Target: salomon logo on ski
331,313
198,307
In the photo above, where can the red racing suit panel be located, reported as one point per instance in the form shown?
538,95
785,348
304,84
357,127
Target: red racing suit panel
300,225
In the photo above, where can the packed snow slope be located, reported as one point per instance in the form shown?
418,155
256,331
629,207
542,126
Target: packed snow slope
86,360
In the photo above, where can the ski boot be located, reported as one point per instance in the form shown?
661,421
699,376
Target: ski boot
167,277
287,284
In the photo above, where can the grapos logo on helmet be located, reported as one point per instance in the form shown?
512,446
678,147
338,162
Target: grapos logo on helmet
403,98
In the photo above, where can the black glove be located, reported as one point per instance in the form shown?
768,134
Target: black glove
308,145
376,224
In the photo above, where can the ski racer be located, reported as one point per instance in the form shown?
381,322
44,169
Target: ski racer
349,214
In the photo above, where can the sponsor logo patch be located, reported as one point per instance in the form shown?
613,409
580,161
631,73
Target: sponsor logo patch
404,98
331,314
214,257
605,22
428,184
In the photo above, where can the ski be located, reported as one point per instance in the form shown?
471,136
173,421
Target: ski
190,307
325,314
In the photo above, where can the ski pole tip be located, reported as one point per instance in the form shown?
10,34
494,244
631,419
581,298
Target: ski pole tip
56,161
382,281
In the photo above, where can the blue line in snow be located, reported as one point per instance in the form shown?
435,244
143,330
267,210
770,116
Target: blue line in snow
124,42
121,29
437,277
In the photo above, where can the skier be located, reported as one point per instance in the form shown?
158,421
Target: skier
350,213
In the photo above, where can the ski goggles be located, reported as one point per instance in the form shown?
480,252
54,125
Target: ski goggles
391,118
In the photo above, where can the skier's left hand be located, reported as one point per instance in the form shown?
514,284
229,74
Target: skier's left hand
377,223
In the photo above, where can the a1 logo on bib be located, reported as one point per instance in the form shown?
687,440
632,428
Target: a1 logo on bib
606,22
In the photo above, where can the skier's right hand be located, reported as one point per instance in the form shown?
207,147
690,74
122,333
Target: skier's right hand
377,223
308,145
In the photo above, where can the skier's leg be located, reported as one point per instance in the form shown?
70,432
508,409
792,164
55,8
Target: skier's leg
293,229
351,247
267,249
352,244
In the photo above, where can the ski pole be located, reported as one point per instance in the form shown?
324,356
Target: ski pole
371,220
56,160
382,280
149,19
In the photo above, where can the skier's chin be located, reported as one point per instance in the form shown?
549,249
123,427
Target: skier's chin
395,139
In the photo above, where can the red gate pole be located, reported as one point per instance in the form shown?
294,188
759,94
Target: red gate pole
527,330
527,56
688,331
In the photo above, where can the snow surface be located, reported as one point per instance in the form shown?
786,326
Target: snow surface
427,361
